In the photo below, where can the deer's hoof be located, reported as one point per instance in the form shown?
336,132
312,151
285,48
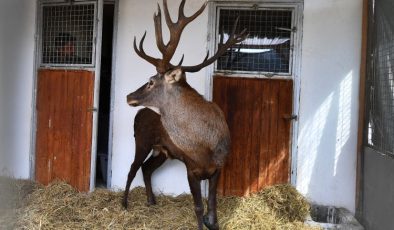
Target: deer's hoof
124,204
209,225
151,202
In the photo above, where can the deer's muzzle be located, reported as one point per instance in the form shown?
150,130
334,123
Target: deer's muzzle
131,101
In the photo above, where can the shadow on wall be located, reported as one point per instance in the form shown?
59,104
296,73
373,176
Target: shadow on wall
329,153
16,85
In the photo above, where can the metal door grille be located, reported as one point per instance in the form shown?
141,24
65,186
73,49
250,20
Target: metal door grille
380,108
268,47
67,34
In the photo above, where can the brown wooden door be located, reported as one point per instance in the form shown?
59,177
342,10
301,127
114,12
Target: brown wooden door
257,112
64,126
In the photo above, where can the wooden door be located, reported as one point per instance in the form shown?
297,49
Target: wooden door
257,112
64,126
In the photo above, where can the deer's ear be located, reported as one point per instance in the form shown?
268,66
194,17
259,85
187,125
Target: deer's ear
173,76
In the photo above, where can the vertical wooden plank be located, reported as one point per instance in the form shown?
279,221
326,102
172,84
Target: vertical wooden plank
273,132
41,167
82,128
245,155
81,115
89,126
219,97
59,127
265,135
230,181
54,139
75,127
236,128
69,89
257,89
284,130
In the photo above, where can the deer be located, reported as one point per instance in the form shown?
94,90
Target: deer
191,129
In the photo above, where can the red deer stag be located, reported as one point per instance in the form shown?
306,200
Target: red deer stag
193,130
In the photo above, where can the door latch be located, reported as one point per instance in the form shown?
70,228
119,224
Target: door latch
290,117
92,109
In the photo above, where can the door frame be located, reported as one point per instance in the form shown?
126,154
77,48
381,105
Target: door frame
99,4
298,7
112,93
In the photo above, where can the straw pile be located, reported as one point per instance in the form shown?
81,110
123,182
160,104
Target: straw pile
59,206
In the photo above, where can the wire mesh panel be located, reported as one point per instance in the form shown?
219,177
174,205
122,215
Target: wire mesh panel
268,47
67,34
381,81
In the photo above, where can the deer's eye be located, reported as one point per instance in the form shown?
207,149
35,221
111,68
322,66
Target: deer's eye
150,83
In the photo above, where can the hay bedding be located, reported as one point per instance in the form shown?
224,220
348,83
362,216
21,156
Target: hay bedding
59,206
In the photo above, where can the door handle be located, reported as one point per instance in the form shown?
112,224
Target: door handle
290,117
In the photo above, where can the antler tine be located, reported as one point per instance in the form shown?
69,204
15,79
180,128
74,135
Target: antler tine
167,14
234,27
221,35
176,29
158,30
206,56
141,52
181,13
232,40
181,61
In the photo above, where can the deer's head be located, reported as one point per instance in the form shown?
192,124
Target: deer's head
170,77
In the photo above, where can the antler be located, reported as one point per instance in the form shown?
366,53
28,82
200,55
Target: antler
232,40
176,28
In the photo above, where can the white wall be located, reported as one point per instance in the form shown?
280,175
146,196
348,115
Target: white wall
131,72
17,27
329,101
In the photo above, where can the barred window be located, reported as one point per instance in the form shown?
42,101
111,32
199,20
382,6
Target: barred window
380,110
67,34
268,47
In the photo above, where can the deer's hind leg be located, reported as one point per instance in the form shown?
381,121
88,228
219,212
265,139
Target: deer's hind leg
195,188
210,219
142,151
148,168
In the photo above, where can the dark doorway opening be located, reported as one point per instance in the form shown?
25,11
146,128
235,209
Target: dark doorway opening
105,96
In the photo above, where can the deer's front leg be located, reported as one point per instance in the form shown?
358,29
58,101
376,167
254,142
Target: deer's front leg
195,189
211,220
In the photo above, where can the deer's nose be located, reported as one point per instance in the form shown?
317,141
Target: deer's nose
131,101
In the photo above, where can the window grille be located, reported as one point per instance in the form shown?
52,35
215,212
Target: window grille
67,34
380,81
268,47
